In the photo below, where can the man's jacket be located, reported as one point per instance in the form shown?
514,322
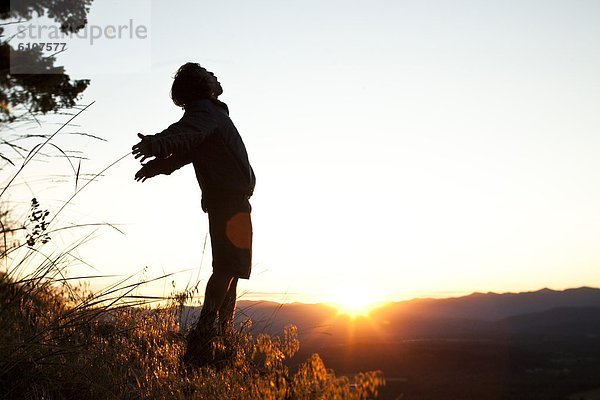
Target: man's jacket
206,137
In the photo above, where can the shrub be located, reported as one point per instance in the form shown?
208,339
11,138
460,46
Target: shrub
54,348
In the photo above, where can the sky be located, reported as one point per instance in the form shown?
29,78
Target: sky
402,148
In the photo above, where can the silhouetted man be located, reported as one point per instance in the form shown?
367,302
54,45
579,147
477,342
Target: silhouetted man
206,137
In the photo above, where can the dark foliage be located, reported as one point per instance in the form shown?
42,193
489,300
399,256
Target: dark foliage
71,14
45,87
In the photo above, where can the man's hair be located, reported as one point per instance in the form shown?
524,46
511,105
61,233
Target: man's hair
193,82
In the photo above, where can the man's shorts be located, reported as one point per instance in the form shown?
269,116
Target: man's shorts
230,230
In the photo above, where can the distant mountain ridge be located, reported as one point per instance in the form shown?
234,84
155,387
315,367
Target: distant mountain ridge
494,306
555,312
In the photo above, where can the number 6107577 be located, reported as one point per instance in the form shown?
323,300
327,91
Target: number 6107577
47,46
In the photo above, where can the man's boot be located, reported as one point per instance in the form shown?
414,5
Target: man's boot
199,350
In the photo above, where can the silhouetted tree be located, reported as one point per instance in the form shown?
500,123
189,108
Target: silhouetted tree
50,88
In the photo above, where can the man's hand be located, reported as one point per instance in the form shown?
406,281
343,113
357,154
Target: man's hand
145,172
143,149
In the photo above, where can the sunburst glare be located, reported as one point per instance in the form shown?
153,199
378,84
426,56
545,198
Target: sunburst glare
355,299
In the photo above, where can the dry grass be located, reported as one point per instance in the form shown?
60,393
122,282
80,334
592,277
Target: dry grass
53,348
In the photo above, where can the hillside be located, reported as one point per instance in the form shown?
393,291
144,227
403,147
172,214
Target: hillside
58,342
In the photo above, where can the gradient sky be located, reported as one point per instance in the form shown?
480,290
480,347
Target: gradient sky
402,148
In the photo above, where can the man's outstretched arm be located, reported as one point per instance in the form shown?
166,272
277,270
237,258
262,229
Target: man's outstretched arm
184,136
163,166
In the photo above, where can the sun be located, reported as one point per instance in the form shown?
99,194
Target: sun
354,299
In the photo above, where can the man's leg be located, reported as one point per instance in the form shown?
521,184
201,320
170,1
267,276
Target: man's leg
199,340
227,308
216,292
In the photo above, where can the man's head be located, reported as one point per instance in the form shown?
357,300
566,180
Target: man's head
192,82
